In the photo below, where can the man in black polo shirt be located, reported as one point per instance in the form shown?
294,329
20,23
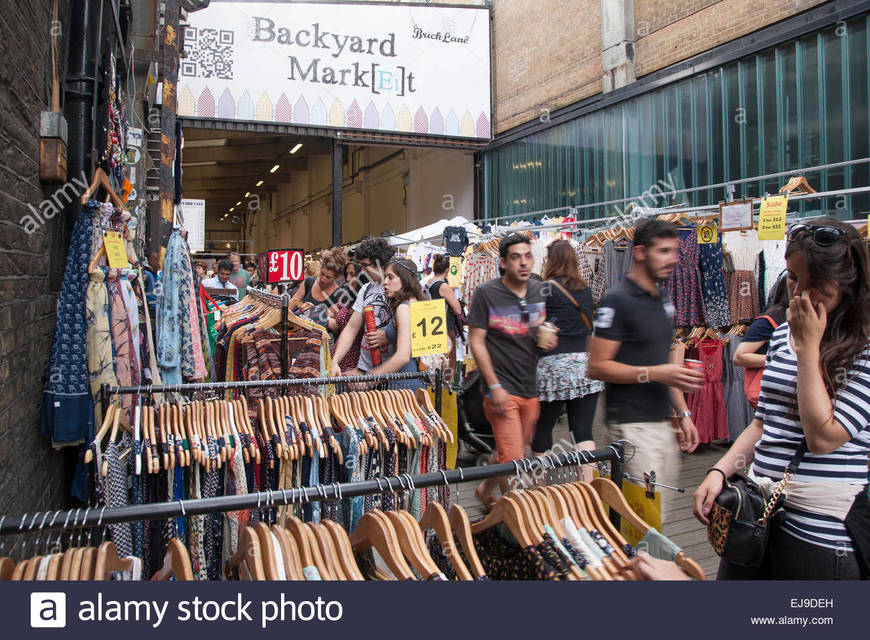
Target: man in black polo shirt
631,350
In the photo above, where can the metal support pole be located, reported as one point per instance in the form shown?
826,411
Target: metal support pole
181,508
104,399
617,469
337,165
245,384
285,309
439,383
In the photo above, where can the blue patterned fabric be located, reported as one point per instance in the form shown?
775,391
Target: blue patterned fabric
67,412
716,307
174,345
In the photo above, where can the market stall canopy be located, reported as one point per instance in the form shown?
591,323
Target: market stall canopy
431,232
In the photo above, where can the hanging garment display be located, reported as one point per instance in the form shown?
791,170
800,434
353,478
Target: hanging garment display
617,261
716,310
684,285
707,404
744,248
67,412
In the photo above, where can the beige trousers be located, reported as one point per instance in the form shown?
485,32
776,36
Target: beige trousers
655,449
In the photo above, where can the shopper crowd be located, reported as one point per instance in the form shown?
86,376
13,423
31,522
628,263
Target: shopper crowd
543,349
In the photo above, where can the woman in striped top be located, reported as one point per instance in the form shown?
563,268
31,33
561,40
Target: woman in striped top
816,386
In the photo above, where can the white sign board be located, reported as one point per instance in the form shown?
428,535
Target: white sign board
193,215
418,69
735,216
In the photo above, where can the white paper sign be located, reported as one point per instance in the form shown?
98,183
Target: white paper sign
735,215
423,70
193,214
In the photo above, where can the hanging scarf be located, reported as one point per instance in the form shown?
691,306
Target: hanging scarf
67,412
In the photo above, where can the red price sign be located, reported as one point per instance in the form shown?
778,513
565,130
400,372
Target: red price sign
282,265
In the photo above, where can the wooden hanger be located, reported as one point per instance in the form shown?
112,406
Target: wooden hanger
506,510
309,552
292,561
343,549
267,550
247,557
89,563
407,537
461,526
7,568
373,531
53,566
101,180
435,517
327,549
108,561
176,562
613,496
797,184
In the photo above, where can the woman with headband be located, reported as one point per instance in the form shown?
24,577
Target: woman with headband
402,288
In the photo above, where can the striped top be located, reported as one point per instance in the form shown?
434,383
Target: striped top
782,434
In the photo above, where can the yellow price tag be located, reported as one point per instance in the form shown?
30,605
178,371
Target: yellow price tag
708,234
428,328
115,250
771,218
454,272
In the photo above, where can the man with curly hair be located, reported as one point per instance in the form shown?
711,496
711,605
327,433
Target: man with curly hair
373,255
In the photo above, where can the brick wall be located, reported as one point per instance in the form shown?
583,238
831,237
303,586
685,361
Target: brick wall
673,30
31,474
547,55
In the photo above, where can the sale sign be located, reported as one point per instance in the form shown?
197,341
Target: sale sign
428,328
281,265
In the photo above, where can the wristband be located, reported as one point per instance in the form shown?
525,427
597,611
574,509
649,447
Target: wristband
495,386
719,470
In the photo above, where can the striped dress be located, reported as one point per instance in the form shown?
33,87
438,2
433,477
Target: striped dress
782,433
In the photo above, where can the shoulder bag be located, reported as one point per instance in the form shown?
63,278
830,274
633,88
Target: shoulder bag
740,517
752,377
574,302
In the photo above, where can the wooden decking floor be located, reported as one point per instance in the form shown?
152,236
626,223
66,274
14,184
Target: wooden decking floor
681,527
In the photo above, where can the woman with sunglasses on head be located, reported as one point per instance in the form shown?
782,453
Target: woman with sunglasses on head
815,396
402,288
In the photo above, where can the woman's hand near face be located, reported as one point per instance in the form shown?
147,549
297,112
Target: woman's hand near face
806,322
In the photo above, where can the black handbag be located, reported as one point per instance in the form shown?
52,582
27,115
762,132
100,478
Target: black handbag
740,517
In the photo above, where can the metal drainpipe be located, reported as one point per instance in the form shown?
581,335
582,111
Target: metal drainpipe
84,25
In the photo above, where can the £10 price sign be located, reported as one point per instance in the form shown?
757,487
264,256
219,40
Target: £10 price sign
284,265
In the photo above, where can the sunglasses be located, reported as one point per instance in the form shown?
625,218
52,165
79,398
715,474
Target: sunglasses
823,236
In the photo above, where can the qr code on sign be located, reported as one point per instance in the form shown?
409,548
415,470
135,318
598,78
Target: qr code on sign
209,53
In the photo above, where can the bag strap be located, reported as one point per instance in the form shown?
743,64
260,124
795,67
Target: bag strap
774,324
574,302
780,487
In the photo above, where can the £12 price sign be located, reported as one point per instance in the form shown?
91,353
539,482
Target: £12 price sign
284,265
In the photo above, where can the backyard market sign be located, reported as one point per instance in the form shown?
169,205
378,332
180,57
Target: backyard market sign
423,70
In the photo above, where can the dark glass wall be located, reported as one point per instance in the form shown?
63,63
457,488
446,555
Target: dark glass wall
801,104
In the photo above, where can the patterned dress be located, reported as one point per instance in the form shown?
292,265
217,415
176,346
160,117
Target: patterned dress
716,307
684,285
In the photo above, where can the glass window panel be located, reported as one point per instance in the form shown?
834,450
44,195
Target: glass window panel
789,126
859,97
833,100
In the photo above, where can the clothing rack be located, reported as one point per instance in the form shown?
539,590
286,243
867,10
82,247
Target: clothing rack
433,377
769,176
274,300
78,518
629,219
